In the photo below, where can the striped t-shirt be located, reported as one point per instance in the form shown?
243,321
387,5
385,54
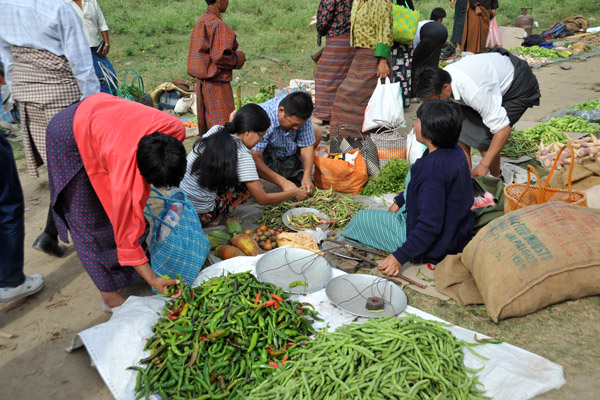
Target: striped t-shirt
203,199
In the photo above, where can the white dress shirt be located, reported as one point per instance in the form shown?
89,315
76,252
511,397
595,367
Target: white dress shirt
479,81
93,20
50,25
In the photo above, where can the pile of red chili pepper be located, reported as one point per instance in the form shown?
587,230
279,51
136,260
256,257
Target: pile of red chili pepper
220,339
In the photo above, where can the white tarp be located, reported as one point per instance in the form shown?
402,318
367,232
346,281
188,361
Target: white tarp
511,373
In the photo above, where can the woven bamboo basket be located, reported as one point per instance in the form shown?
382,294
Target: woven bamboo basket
519,195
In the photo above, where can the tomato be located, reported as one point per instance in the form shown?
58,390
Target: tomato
267,246
249,232
263,228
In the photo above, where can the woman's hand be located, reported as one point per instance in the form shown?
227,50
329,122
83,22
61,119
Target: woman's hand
478,10
394,208
161,285
382,68
390,266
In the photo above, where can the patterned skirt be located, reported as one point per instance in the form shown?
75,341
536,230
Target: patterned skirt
77,209
355,91
214,103
43,84
476,30
402,58
332,69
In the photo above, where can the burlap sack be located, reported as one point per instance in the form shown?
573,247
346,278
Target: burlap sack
527,260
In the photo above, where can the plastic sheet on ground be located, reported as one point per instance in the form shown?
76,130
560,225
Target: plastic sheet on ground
511,373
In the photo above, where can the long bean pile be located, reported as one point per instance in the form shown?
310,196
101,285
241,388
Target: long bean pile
389,358
519,145
340,209
220,339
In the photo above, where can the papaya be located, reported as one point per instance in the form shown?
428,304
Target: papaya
234,228
226,252
216,242
220,235
246,244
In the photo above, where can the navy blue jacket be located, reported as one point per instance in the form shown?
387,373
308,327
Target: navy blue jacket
439,198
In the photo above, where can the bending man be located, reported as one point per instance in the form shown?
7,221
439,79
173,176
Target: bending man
495,90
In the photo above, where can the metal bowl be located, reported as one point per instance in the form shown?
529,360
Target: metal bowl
303,210
351,291
305,270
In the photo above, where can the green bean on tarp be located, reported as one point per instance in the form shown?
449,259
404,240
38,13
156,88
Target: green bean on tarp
220,339
388,358
340,208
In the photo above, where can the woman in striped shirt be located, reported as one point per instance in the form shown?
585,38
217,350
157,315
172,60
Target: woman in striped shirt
221,173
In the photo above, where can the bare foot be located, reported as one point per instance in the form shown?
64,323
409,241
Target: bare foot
112,299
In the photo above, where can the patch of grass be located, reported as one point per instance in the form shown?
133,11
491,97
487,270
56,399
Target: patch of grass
154,39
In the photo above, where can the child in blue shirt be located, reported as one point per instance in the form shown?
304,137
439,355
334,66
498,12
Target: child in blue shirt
437,220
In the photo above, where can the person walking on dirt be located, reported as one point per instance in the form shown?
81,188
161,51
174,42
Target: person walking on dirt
212,57
48,67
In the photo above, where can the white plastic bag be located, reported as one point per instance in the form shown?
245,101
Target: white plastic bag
385,106
414,149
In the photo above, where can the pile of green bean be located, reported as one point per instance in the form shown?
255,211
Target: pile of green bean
389,358
340,208
220,339
519,145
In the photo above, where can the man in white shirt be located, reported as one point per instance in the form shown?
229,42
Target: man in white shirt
48,68
495,90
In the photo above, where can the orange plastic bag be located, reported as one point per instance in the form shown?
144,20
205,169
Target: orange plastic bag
341,175
519,195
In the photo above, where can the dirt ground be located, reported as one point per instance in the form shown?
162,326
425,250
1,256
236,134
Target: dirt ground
34,363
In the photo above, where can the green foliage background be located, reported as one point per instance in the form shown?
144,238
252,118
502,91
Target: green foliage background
152,36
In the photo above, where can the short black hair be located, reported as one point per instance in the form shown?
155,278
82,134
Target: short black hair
441,122
430,81
211,2
437,13
161,159
297,104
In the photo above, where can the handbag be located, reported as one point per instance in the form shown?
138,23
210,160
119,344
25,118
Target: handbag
367,147
390,144
405,23
178,246
385,106
519,195
343,176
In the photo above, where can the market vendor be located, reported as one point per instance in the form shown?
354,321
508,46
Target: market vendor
103,154
221,173
495,90
285,155
433,217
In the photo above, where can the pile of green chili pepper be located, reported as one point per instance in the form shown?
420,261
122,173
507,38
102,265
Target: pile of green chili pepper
220,339
388,358
340,208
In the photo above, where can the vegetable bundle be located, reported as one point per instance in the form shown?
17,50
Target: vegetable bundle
389,358
221,337
535,51
553,130
339,207
390,180
588,105
518,144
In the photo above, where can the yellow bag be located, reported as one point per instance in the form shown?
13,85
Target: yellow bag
405,23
